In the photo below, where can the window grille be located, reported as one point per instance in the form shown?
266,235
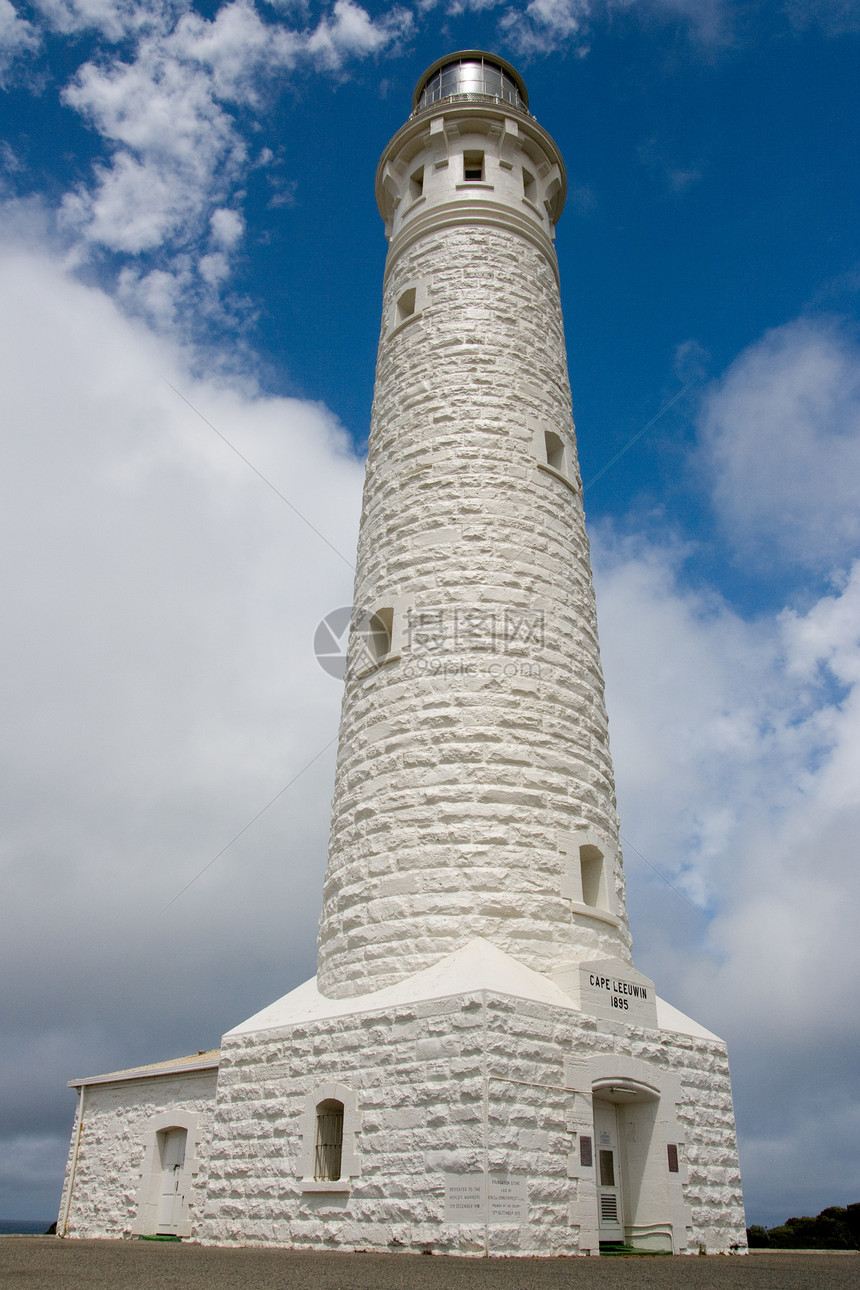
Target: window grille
328,1147
609,1207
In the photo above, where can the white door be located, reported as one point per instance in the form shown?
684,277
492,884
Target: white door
607,1162
171,1200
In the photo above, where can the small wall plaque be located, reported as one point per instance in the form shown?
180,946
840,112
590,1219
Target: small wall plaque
465,1198
508,1201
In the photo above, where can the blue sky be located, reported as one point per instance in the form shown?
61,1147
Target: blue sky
186,204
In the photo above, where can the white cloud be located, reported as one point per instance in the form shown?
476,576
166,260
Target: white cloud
214,268
736,760
176,153
351,31
781,444
541,27
114,19
158,688
737,746
17,37
227,227
545,25
236,47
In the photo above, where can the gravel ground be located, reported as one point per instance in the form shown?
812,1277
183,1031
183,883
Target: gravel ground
45,1263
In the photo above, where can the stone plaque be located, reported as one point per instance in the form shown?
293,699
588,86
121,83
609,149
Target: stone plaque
615,990
507,1199
465,1198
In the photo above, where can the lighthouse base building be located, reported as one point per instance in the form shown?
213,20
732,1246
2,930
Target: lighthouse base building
486,1110
478,1068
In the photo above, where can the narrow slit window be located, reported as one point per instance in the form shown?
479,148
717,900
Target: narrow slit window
328,1146
406,305
473,166
672,1151
554,451
376,634
591,866
585,1151
416,184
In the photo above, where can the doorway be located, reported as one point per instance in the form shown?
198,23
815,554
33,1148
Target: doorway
171,1199
607,1161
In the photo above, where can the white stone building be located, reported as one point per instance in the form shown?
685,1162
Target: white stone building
478,1067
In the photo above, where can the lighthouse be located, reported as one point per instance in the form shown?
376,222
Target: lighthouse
478,1067
474,792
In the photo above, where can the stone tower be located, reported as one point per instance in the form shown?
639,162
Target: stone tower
474,792
478,1068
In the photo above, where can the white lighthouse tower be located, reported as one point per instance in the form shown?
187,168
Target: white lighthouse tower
474,790
478,1067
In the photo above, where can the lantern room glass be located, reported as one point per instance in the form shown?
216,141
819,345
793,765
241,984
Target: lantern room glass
469,77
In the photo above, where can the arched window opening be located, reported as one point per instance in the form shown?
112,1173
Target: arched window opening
554,451
406,304
328,1144
378,634
591,867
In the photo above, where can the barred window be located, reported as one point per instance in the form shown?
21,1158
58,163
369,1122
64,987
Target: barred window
328,1146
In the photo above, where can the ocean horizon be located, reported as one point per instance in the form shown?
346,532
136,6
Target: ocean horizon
24,1226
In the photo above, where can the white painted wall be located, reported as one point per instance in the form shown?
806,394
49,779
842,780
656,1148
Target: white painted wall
475,1082
116,1171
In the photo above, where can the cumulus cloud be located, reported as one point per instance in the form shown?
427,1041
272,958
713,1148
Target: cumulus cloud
736,747
159,688
175,149
736,743
781,444
17,37
113,19
351,31
544,25
172,115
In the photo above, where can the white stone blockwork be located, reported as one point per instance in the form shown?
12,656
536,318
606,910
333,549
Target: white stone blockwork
115,1173
447,828
479,1086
